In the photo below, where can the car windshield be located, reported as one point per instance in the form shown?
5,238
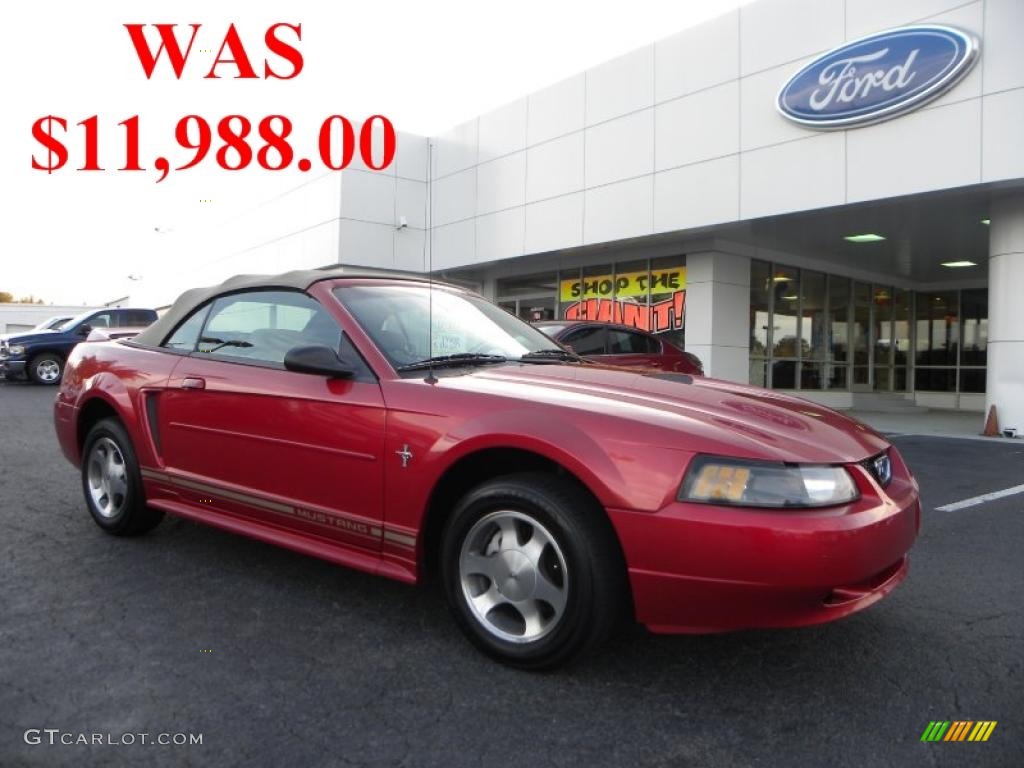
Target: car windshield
51,324
398,319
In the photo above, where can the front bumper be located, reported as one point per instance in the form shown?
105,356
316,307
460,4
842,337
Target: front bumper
700,568
11,368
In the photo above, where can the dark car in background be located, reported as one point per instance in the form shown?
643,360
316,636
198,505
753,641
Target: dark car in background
620,345
41,354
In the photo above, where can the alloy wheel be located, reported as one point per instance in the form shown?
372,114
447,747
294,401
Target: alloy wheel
108,478
514,577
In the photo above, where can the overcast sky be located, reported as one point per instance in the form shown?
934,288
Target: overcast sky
74,237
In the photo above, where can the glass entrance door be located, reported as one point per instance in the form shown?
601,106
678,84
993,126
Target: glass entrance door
882,341
862,342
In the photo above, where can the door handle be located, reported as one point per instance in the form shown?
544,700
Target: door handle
193,382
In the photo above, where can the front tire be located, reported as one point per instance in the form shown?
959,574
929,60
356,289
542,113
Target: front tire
532,571
46,368
112,482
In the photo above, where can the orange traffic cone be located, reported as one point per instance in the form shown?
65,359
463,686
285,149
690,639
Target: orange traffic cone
991,424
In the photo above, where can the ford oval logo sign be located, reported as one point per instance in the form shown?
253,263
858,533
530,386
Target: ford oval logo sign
878,77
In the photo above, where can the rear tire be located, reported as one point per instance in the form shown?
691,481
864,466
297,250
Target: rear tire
112,482
532,571
46,368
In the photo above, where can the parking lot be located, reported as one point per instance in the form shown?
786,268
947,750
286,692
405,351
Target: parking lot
278,659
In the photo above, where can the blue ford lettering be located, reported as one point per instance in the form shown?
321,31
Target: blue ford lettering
878,77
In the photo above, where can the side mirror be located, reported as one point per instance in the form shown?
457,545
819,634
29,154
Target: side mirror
84,330
317,359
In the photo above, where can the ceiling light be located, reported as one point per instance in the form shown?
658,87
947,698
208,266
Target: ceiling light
781,279
986,222
867,237
955,264
790,298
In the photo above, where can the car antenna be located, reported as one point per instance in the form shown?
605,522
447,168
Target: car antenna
428,205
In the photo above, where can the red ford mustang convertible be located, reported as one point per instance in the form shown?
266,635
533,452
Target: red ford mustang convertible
405,428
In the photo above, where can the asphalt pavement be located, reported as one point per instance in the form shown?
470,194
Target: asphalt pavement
281,660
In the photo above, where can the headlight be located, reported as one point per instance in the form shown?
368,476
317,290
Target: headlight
15,351
741,482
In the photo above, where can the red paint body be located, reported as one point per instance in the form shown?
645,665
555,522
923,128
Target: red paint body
663,355
310,463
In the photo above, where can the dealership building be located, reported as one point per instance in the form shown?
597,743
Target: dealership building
806,203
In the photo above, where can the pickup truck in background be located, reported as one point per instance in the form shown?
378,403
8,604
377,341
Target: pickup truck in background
41,354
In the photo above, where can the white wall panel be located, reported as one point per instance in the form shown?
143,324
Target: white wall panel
620,149
503,131
697,195
368,196
683,133
554,167
619,210
621,85
697,58
1003,52
927,150
557,110
500,235
773,32
501,183
455,197
1003,136
554,224
797,176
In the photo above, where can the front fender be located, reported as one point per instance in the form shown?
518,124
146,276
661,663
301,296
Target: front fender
560,441
85,383
622,473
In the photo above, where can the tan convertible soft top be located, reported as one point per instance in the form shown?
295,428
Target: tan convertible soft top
301,280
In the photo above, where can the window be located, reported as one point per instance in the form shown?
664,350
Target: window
186,335
937,328
901,308
838,333
587,341
530,297
937,322
263,326
760,319
101,320
667,279
760,307
974,312
626,343
648,295
135,318
809,330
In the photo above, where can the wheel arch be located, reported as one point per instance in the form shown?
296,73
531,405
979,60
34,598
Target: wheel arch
99,403
30,356
92,411
475,467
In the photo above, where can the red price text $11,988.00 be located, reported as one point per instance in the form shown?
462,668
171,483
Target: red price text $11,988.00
236,141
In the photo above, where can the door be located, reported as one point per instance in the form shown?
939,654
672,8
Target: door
244,435
862,338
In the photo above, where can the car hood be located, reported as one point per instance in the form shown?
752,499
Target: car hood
30,338
679,411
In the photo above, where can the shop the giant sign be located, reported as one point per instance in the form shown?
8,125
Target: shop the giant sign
878,77
622,298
